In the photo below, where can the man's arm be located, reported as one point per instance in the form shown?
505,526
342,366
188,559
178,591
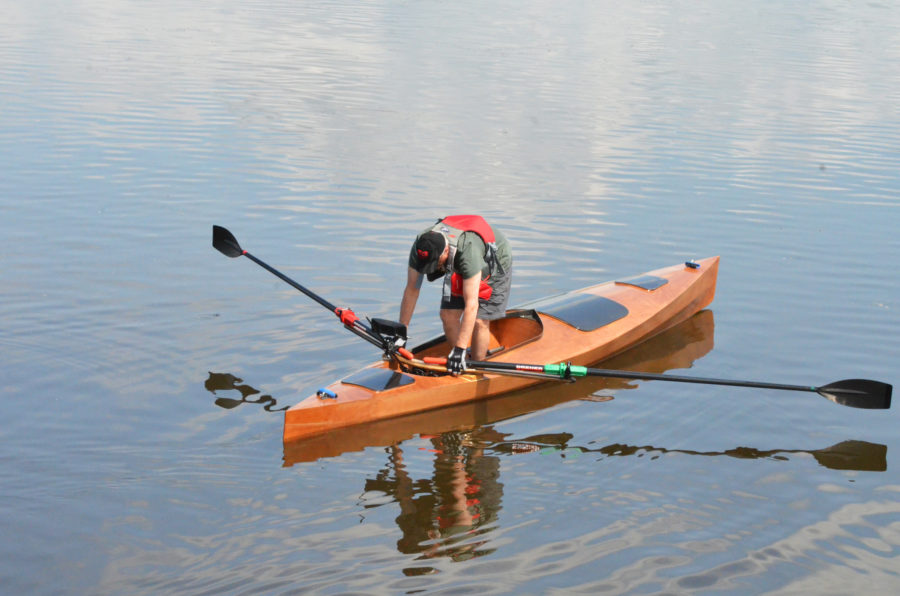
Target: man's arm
470,311
410,295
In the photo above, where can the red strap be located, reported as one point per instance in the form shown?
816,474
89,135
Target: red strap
347,316
456,287
471,223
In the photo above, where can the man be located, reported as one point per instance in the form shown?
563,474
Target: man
475,263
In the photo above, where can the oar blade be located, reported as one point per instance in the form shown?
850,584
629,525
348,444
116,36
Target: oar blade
225,242
228,403
858,393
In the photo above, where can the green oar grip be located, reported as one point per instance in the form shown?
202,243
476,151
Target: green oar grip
565,370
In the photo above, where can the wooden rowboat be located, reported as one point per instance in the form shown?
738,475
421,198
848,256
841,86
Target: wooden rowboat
580,327
675,348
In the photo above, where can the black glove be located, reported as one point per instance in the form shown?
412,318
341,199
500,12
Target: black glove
392,333
456,361
396,344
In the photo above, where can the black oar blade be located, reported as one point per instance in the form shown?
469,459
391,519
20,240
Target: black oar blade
225,242
228,403
858,393
853,455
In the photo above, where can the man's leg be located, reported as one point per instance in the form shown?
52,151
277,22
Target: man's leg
481,339
451,318
488,310
481,334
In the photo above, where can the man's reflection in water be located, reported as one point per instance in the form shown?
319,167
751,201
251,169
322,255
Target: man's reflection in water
446,514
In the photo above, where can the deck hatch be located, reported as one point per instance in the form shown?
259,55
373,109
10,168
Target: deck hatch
378,379
585,312
646,282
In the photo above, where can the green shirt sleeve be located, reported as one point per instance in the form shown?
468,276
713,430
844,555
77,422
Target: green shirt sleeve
469,259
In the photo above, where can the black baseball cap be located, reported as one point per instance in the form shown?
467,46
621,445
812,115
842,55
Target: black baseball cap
429,248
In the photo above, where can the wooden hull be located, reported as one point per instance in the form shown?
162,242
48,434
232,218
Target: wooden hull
675,348
581,327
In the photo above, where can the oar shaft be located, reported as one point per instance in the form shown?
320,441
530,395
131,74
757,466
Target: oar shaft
624,374
565,371
856,393
225,242
290,281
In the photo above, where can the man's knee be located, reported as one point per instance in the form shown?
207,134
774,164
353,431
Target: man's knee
449,315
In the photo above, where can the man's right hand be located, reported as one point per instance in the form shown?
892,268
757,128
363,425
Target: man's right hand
456,361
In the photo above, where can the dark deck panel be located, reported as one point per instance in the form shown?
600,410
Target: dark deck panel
646,282
585,312
378,379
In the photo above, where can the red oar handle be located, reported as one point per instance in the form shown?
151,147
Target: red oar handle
434,360
347,316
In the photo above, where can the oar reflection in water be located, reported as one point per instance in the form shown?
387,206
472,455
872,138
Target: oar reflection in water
228,382
860,456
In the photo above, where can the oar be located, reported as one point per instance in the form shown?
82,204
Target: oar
855,393
225,242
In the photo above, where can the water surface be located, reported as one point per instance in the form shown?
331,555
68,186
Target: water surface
144,375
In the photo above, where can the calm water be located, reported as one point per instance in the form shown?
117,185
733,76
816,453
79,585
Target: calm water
143,375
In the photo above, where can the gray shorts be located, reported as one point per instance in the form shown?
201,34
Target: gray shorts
490,309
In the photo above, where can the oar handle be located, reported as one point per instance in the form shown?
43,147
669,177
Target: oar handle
475,366
562,370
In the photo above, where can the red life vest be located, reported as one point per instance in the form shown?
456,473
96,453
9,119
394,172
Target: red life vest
452,227
470,223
